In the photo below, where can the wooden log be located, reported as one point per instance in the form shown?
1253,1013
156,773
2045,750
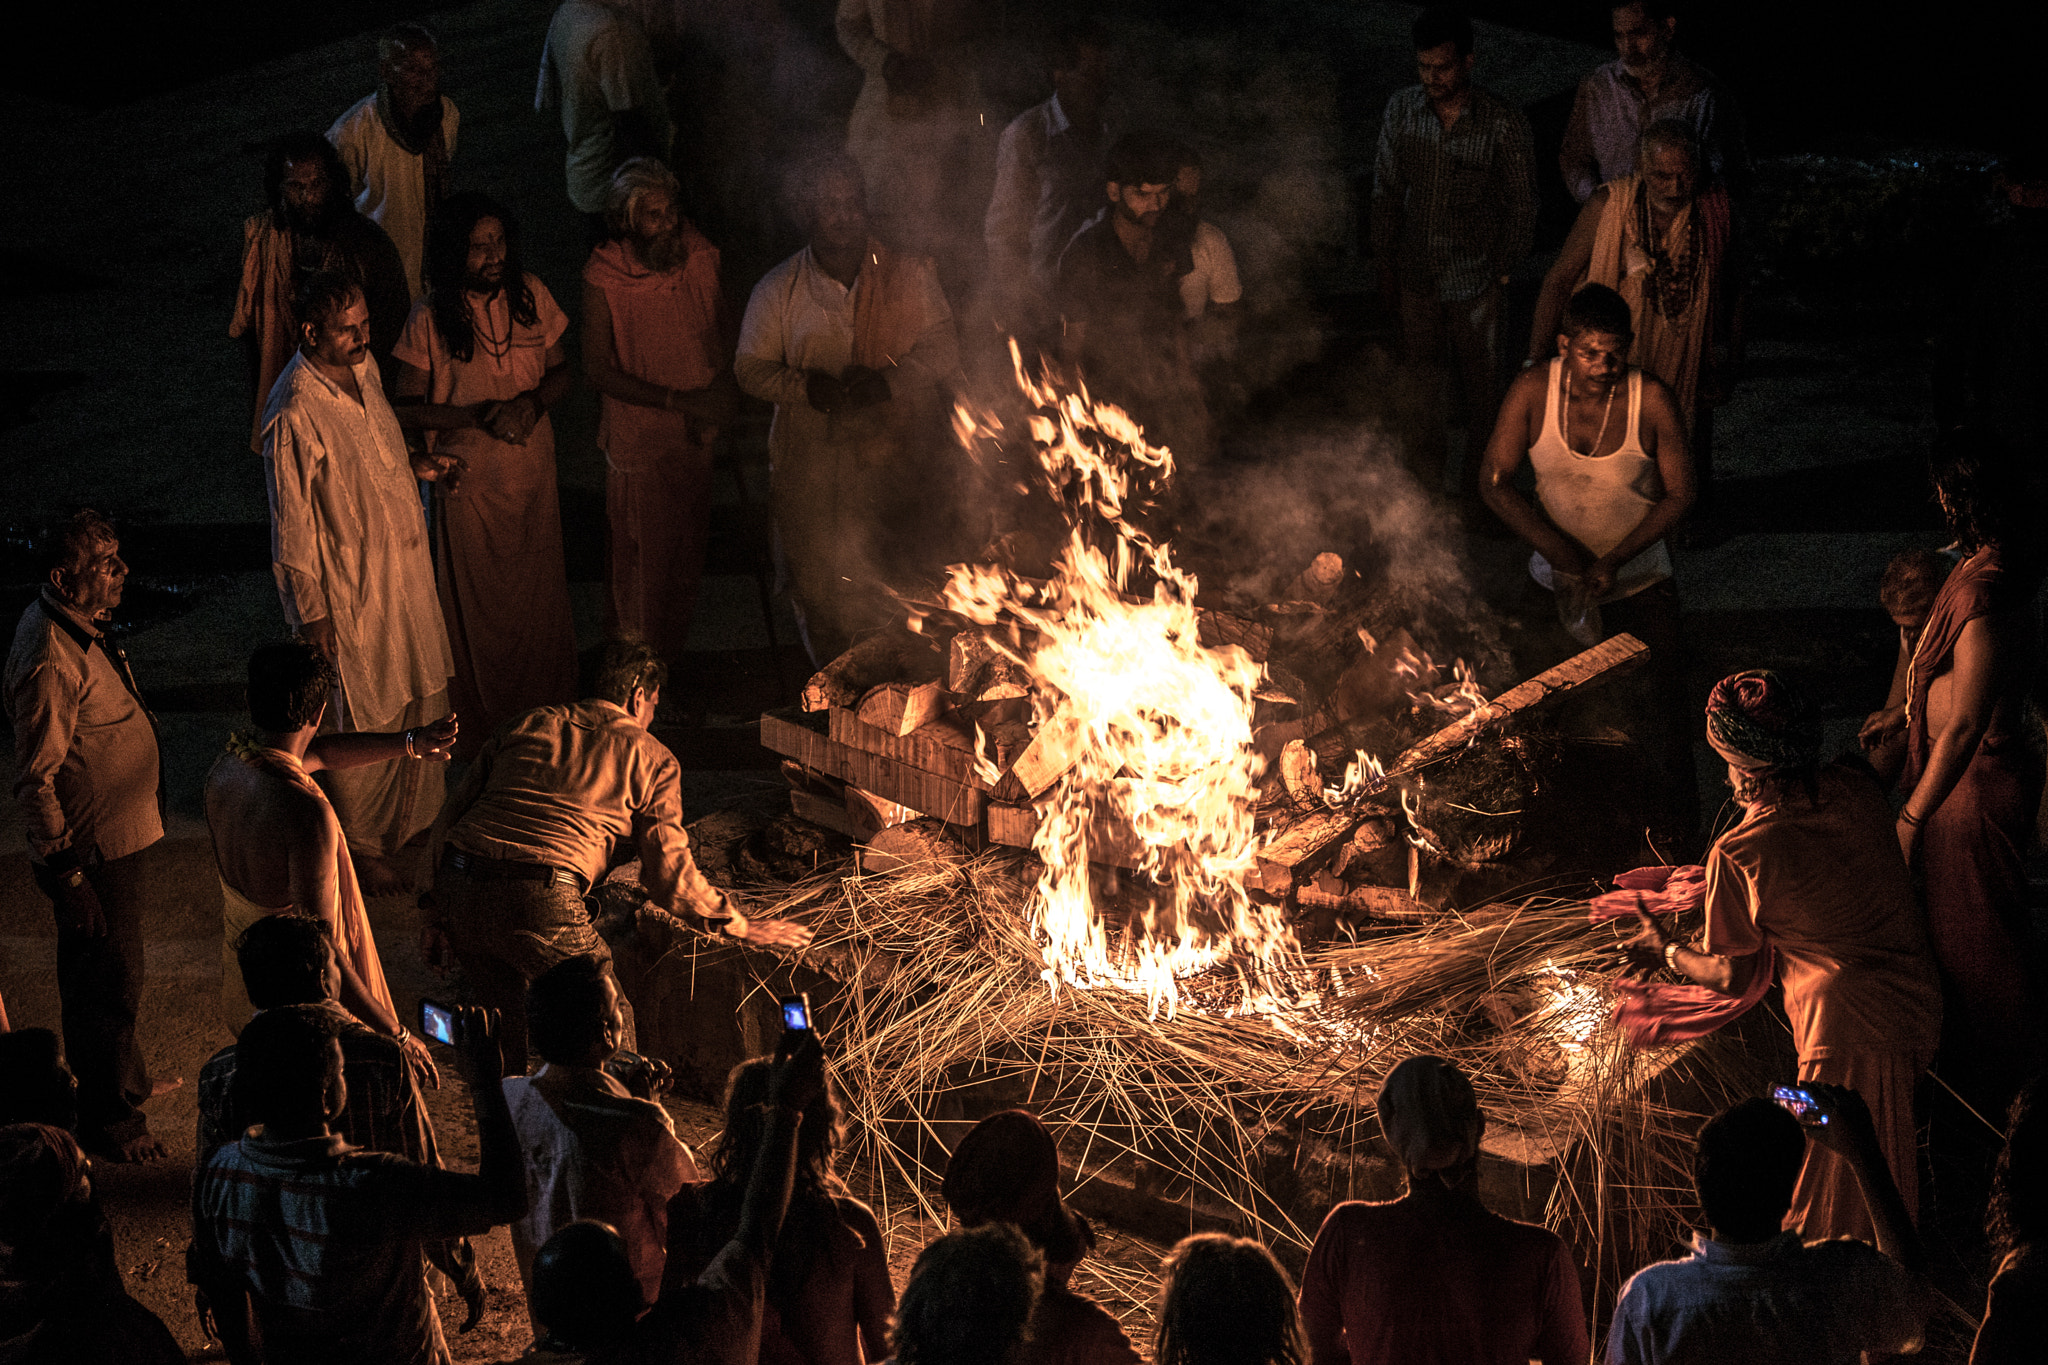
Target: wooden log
871,814
1216,629
1296,841
1364,902
828,811
1110,841
938,747
1052,751
928,793
900,707
887,656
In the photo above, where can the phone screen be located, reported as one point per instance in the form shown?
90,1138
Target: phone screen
437,1022
1799,1104
796,1012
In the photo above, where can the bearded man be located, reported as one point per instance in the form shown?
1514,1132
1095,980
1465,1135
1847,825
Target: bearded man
397,143
853,342
1650,79
310,226
657,344
349,551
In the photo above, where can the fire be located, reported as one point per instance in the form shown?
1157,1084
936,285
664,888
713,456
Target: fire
1164,778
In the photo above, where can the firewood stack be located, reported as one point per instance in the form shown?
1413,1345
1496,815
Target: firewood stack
885,752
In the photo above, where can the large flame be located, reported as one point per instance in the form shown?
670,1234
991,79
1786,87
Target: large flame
1160,725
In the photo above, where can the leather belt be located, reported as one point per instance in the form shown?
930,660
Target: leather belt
480,868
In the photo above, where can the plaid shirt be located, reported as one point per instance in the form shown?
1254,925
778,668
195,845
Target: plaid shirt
1454,209
384,1113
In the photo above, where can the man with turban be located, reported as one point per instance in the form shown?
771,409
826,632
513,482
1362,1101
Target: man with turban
1813,870
1435,1277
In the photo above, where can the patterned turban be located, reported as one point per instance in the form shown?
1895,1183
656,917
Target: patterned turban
1761,723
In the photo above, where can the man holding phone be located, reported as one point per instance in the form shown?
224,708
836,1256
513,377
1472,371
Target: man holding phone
552,802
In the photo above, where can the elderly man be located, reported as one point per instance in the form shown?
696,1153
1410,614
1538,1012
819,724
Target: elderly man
1650,80
657,346
1436,1276
397,143
853,342
90,789
348,547
553,801
277,842
308,227
1453,212
598,68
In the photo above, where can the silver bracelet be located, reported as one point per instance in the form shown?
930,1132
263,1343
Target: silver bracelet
1671,955
409,753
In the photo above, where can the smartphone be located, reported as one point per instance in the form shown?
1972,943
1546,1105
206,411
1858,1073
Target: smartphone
796,1013
1800,1104
437,1021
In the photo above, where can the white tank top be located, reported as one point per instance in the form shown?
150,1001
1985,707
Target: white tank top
1598,499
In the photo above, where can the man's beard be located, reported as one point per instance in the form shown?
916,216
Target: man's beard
421,124
317,222
1648,66
478,284
663,253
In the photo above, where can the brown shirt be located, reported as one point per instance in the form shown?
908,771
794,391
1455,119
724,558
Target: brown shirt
86,749
567,786
1826,883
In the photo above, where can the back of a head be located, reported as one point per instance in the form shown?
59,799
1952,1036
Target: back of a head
1440,24
42,1170
1745,1166
970,1298
2017,1214
585,1294
1910,582
1226,1301
285,1061
35,1085
612,670
1596,308
567,1009
284,960
1984,492
1142,158
1007,1170
746,1127
1430,1115
289,683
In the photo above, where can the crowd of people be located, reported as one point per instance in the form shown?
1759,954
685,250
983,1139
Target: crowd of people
404,362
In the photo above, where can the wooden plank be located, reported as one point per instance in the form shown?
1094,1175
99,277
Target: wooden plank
828,812
939,747
1215,629
872,814
1296,841
924,792
1054,749
900,707
1110,841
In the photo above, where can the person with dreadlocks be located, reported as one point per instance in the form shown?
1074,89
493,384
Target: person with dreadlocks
1663,238
1809,883
479,365
2016,1222
398,141
830,1296
1226,1301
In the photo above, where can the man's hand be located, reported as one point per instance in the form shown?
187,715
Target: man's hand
772,933
420,1060
864,388
435,740
477,1058
434,468
78,905
648,1079
798,1077
1849,1132
824,392
436,950
1881,726
321,636
1645,952
513,420
1909,839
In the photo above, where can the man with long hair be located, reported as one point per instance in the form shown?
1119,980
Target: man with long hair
397,142
2016,1220
308,225
1973,778
829,1292
479,366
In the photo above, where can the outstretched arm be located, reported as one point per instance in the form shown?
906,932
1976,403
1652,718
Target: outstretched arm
1572,264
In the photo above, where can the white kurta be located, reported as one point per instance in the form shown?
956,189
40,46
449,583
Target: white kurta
389,186
348,540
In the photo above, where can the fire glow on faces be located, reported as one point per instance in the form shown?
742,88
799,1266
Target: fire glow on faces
1160,724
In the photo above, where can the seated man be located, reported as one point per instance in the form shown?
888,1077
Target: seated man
1752,1293
289,960
594,1148
551,802
322,1242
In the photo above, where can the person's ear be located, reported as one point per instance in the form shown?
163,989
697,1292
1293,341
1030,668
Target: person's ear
1564,342
1111,191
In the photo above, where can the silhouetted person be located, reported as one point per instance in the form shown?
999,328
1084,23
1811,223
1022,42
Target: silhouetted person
597,67
1649,80
2016,1310
1906,592
970,1299
1226,1301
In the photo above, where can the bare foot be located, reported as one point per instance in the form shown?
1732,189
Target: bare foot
158,1089
380,876
135,1151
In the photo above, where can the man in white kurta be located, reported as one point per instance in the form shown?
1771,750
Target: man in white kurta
397,144
348,546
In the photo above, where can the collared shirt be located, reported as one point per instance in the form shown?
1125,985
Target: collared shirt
598,64
329,1241
1048,183
348,540
384,1112
1453,208
1765,1303
1133,309
568,786
1610,113
388,182
594,1151
83,744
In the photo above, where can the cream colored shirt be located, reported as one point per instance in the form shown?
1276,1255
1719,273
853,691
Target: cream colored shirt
389,186
348,540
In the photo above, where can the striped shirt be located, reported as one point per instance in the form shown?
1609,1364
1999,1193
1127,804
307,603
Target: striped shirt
328,1241
1453,209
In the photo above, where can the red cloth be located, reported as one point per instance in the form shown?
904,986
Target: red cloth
1436,1279
1972,846
1659,1013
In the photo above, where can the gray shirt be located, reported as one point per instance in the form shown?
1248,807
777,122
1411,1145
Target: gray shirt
1453,208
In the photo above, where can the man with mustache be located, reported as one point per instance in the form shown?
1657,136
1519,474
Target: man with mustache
657,345
310,226
1650,80
349,552
397,143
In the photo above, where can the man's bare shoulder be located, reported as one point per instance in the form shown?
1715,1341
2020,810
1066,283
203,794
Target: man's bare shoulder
252,793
